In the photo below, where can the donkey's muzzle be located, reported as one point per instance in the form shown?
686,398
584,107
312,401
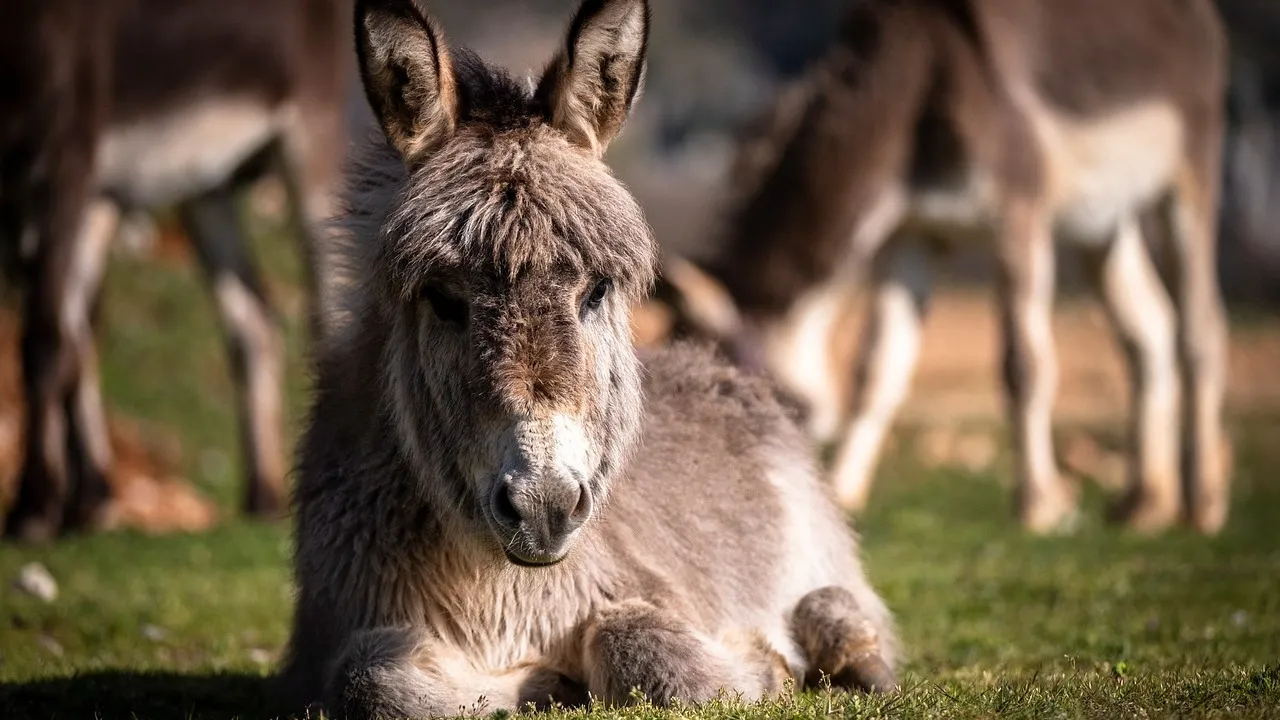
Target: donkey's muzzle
536,519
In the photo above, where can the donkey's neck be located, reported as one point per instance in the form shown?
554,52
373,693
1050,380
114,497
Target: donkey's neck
810,181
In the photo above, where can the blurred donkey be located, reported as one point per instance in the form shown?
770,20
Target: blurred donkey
1007,123
111,105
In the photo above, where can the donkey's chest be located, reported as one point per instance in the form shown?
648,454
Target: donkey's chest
512,619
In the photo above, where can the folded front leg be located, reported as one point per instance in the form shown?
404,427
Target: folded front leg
634,645
400,672
840,641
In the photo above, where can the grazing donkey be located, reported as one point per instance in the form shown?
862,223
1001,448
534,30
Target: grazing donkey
124,104
932,125
487,504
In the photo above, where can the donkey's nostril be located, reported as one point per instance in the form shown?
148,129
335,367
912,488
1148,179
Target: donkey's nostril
583,507
504,510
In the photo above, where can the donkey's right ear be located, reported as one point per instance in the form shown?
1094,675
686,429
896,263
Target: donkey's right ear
407,74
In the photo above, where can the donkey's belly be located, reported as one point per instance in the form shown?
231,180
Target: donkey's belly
167,158
1105,169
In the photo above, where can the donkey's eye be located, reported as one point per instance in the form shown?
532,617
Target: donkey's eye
446,307
597,295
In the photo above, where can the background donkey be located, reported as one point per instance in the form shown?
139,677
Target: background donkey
933,125
125,104
473,517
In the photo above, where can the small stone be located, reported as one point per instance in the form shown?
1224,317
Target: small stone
1240,618
260,656
154,633
48,643
33,579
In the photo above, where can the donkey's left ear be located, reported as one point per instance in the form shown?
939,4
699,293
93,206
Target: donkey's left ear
408,75
590,85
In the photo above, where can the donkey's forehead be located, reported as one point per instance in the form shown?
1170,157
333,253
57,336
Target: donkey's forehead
522,202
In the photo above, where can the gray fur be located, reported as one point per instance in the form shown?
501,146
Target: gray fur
471,368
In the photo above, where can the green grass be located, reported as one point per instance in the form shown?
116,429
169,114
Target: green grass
996,623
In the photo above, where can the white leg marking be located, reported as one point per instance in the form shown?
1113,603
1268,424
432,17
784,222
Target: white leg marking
799,349
800,353
84,281
1031,364
891,346
1142,314
247,321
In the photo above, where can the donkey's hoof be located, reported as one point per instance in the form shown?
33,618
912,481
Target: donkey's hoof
32,528
1145,512
1209,514
91,517
1055,514
1211,496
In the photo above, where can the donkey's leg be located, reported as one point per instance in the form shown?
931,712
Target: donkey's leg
399,672
636,646
887,360
1190,217
1142,315
1025,282
89,442
63,279
840,641
254,342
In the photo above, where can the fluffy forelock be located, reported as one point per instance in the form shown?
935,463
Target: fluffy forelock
514,202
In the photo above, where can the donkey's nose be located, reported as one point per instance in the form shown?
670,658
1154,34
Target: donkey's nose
538,517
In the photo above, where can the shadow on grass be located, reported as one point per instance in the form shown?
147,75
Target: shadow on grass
149,695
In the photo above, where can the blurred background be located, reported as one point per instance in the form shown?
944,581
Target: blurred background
1175,625
716,65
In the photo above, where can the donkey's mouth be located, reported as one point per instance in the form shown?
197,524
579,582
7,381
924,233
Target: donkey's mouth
534,563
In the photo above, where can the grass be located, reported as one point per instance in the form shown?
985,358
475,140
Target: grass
998,624
1101,624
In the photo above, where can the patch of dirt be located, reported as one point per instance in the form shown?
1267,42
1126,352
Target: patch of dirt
959,368
957,404
958,376
149,495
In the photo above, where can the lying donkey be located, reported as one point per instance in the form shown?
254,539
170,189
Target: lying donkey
113,105
1004,123
491,500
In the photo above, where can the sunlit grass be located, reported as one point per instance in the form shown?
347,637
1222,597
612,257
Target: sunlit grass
996,623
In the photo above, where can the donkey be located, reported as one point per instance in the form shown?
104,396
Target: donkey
132,104
930,126
487,505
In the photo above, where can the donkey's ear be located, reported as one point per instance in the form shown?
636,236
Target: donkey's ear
407,74
589,86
